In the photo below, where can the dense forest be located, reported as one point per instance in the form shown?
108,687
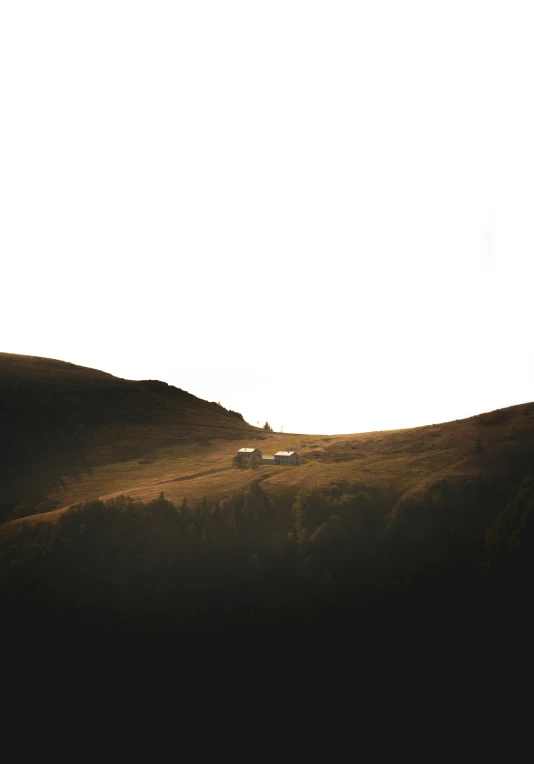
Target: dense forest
335,555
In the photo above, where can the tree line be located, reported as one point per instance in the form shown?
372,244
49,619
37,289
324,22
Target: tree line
335,552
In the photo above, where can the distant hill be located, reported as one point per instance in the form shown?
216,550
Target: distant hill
57,419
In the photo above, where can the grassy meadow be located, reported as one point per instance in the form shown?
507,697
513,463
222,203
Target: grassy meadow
398,463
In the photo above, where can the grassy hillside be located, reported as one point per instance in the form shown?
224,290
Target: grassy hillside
69,434
144,438
435,519
59,422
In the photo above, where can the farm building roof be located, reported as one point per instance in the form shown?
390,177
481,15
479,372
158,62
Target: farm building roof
284,453
247,450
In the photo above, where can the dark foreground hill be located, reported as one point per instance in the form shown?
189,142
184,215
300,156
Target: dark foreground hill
58,419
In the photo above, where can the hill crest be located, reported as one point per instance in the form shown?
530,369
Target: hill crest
57,418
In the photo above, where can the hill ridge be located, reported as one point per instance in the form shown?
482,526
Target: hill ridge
59,419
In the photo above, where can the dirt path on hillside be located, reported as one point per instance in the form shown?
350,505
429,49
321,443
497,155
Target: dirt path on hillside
193,476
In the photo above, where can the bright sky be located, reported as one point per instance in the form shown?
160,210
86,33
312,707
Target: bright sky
320,213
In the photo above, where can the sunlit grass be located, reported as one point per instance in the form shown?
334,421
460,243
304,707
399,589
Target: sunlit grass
397,461
186,448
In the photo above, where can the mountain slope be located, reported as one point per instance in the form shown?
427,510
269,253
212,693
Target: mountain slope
71,434
58,419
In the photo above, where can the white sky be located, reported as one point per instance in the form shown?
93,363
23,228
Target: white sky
320,213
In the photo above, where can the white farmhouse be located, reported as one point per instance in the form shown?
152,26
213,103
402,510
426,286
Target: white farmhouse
281,457
286,457
245,453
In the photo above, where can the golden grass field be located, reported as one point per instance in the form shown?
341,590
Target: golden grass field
398,462
148,437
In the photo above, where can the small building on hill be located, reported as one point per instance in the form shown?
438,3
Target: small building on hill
281,457
245,453
286,457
